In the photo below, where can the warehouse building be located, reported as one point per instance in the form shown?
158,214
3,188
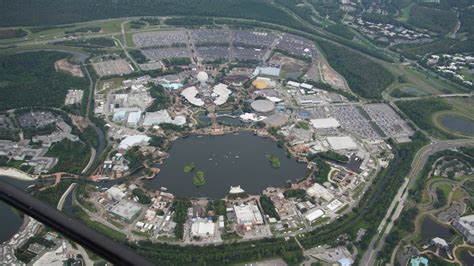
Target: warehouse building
203,228
126,210
248,215
324,123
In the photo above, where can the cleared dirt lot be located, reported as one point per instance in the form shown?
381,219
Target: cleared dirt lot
65,66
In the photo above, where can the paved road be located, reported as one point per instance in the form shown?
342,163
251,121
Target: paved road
64,196
417,165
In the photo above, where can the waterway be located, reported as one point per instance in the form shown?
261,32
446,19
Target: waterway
457,123
227,160
11,219
431,229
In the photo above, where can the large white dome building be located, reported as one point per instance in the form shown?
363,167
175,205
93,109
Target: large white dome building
202,76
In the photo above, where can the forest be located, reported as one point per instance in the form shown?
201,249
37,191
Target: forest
433,19
33,74
38,12
169,254
368,81
72,155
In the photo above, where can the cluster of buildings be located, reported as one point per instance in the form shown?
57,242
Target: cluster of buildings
389,33
74,97
32,151
459,67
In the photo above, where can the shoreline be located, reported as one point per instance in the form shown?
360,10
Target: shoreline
16,174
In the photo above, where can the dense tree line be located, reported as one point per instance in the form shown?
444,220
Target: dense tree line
295,193
340,30
31,80
189,21
421,112
38,12
161,100
142,196
135,158
72,156
333,156
321,174
268,207
365,77
169,254
99,42
180,209
138,56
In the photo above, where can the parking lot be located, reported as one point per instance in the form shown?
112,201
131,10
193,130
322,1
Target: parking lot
388,120
165,53
210,36
353,121
160,39
297,45
113,67
245,53
255,38
212,53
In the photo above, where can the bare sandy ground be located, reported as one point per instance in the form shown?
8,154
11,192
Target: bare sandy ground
15,173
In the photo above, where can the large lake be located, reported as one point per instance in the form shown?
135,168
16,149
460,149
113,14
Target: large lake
457,124
227,160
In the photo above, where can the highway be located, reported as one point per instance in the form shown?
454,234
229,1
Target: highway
395,210
111,251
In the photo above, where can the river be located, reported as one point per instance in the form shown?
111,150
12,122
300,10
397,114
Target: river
227,160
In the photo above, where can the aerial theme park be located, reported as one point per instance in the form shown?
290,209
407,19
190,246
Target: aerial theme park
238,132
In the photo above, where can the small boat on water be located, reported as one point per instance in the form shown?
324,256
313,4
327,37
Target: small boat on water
164,189
210,159
237,157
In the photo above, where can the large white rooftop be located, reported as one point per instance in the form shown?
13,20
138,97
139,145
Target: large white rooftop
203,228
313,214
221,92
324,123
190,95
162,116
131,141
342,143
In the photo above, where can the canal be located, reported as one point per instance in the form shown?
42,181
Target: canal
226,160
11,219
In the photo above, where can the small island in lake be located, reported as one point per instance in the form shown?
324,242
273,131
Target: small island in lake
199,179
274,160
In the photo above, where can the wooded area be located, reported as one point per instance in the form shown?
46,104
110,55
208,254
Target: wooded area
365,77
29,79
